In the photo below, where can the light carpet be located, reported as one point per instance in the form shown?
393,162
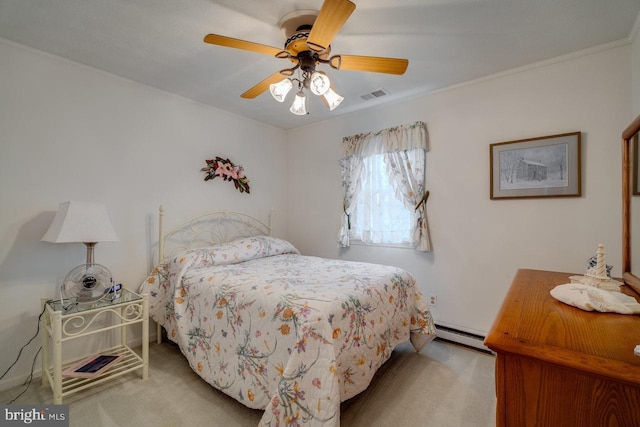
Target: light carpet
445,385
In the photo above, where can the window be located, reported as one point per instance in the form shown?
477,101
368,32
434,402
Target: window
379,217
383,176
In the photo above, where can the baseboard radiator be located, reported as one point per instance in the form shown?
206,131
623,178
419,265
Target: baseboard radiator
466,339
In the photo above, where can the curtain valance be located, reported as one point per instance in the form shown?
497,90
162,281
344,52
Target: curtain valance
399,138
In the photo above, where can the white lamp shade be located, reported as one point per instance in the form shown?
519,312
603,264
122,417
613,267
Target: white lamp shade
332,99
299,106
319,83
80,222
280,90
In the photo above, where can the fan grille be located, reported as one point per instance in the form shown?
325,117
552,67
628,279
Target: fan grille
86,284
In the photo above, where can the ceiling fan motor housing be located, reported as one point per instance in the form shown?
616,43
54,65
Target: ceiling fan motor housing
297,44
296,27
308,61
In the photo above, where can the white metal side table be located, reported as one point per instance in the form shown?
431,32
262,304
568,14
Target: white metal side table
61,324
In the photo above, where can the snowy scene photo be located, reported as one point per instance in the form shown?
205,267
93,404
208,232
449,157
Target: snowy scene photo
548,166
537,167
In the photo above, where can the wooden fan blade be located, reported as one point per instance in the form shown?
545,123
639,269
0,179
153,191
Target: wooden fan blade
263,85
372,64
332,16
241,44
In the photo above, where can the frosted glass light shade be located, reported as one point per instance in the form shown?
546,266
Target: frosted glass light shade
280,90
332,99
80,222
299,106
319,83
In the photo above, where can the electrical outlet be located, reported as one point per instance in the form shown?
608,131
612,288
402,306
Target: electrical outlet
433,300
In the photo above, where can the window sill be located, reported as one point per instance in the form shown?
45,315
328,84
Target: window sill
381,245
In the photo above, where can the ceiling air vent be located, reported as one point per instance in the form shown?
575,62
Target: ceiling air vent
375,94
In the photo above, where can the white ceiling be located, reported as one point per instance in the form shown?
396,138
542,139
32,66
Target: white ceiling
159,43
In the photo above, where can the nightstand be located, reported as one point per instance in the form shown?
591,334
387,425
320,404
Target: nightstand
60,324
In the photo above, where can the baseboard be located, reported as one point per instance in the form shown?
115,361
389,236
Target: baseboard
463,338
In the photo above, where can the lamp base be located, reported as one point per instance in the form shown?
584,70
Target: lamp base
90,246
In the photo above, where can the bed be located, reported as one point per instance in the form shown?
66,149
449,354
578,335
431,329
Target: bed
290,334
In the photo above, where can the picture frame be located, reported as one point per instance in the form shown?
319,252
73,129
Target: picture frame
635,190
92,366
546,166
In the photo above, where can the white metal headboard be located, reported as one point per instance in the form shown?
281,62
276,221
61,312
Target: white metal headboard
208,229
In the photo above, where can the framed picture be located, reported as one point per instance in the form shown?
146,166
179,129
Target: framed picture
93,366
635,170
548,166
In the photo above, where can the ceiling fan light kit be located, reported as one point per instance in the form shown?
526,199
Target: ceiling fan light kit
331,99
308,44
299,106
319,83
280,90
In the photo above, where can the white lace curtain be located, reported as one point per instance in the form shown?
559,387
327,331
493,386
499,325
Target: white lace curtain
404,149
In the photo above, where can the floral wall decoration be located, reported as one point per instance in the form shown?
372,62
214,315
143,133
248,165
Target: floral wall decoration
225,169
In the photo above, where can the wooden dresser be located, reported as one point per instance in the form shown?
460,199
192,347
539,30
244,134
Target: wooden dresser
559,366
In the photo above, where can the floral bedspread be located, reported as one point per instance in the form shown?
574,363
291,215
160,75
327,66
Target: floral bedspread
291,334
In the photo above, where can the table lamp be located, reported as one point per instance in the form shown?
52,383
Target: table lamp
88,223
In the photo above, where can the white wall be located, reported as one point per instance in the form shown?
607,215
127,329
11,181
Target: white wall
479,243
69,132
635,68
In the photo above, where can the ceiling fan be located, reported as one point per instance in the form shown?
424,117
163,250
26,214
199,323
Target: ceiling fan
309,36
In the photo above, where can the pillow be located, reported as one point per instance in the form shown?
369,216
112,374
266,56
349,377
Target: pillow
247,248
170,271
234,252
590,298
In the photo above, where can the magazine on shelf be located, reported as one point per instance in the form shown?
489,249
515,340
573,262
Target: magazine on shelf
92,366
